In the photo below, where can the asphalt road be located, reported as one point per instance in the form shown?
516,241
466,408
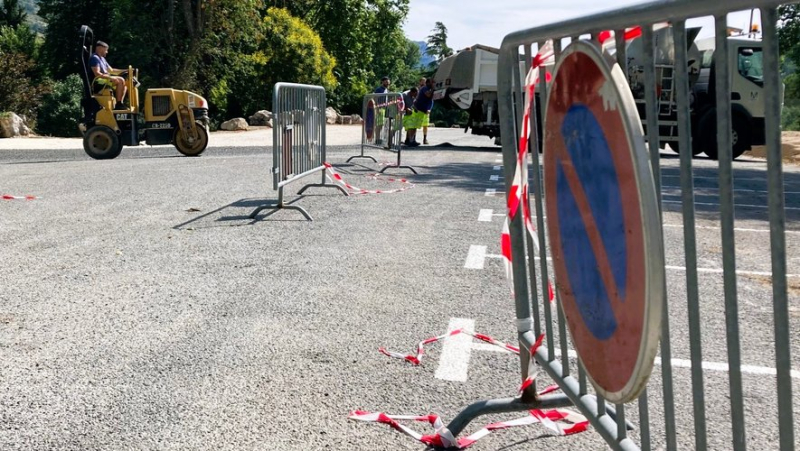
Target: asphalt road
141,308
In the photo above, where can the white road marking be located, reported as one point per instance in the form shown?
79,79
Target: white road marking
711,366
493,192
454,360
699,177
494,178
476,257
736,229
736,205
486,215
489,348
742,190
497,168
720,271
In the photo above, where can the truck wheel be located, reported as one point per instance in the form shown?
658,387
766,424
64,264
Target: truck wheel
740,136
192,149
101,143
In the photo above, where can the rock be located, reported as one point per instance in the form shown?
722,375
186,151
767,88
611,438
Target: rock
262,117
331,116
344,120
357,119
12,125
234,124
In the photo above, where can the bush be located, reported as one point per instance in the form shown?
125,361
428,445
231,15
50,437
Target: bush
18,94
61,109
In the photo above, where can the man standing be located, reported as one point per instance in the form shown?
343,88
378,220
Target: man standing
424,105
384,86
102,74
409,120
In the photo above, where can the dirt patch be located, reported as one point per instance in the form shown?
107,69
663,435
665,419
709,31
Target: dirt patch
790,148
793,283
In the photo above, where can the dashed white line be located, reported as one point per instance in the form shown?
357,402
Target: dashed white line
497,168
740,190
454,360
494,178
493,192
736,205
736,229
711,366
486,215
720,271
476,257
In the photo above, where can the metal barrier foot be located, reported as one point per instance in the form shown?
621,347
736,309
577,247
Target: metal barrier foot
399,167
366,157
323,185
504,405
277,207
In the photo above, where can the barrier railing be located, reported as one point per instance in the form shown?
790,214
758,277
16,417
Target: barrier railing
382,127
604,216
298,137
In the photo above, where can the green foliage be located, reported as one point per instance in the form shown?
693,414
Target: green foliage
287,50
12,14
18,92
448,117
19,39
61,108
789,39
227,50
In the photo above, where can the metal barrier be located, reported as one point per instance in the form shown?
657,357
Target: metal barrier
298,137
382,127
711,419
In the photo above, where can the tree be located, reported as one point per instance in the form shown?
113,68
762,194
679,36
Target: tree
437,44
287,50
365,37
12,14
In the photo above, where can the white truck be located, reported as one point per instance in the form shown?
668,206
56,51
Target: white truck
468,80
745,65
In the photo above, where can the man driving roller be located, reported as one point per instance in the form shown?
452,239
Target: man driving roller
103,74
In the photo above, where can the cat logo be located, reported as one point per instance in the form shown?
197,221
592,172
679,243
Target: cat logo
123,117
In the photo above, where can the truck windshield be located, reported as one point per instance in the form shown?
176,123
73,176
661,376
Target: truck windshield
751,64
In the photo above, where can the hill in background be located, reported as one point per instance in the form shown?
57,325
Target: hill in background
425,59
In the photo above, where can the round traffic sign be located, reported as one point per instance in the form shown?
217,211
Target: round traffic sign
603,222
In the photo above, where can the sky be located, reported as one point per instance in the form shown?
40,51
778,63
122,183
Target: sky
487,21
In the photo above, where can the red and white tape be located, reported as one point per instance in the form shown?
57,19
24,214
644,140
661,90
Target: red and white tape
518,193
10,197
334,177
559,421
416,359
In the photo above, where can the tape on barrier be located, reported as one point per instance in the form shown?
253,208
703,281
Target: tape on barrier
518,193
10,197
334,177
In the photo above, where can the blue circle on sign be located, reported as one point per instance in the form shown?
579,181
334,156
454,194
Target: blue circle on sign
592,160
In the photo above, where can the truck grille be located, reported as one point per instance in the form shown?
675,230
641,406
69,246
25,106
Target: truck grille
161,106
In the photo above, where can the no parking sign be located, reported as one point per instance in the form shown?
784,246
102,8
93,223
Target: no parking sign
603,220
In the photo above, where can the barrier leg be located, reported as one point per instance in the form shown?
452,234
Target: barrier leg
398,165
504,405
279,206
324,184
